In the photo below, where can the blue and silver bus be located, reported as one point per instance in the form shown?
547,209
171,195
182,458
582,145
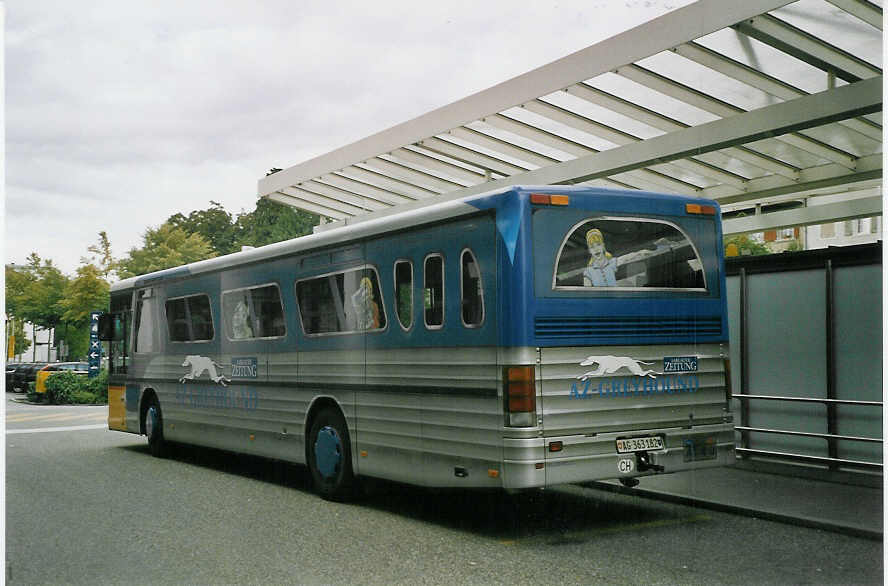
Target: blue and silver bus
521,338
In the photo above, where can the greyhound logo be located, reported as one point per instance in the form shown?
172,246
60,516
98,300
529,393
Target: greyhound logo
604,365
203,364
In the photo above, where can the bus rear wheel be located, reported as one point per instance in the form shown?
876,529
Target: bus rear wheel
153,425
329,456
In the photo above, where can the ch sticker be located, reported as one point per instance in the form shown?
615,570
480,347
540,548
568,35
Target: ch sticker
625,465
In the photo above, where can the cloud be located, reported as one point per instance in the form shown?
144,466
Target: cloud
120,114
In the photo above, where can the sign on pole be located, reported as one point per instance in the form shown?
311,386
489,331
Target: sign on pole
95,346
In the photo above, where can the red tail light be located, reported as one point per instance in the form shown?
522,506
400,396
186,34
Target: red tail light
519,388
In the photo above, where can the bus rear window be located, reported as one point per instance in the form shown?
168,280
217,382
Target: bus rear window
627,254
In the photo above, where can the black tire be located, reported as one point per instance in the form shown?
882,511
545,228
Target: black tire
329,456
152,422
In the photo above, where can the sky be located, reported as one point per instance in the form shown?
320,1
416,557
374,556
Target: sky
120,114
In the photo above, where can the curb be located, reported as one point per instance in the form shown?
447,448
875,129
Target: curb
739,510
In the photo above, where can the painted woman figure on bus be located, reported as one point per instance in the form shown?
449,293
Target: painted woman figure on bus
601,271
366,309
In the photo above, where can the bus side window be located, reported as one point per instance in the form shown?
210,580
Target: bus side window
470,285
404,292
189,319
145,335
433,291
253,312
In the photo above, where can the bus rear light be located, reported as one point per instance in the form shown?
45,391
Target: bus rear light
556,446
547,199
695,208
519,387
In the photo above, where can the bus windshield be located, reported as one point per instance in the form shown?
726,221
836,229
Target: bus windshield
627,253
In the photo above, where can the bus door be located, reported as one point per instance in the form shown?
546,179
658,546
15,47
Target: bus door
115,328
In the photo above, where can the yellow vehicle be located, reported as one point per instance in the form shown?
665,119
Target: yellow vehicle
56,367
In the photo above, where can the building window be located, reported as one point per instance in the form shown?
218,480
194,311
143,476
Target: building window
828,230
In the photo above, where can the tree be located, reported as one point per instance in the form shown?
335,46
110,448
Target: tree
165,247
101,255
86,293
40,301
743,245
215,224
272,222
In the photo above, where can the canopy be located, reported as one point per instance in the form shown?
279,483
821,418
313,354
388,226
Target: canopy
749,103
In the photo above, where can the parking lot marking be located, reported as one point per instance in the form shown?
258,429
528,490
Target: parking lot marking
52,429
54,416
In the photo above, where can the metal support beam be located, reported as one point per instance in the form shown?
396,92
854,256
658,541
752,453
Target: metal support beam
766,83
865,11
355,186
838,104
414,192
302,204
852,100
723,109
789,39
666,124
441,168
327,202
472,157
868,168
808,216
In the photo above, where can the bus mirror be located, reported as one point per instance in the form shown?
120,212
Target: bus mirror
106,327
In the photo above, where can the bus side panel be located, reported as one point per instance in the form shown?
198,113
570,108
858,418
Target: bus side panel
429,413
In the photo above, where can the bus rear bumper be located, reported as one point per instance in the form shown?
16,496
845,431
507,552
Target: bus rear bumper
529,463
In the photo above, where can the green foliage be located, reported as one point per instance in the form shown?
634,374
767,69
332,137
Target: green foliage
272,222
743,245
795,246
214,223
60,386
66,388
165,247
33,395
101,258
76,338
98,386
84,398
87,292
34,292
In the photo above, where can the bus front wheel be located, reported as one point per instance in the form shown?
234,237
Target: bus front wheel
329,456
153,426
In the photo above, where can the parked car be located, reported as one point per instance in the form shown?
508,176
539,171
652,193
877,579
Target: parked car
30,374
79,368
10,370
18,376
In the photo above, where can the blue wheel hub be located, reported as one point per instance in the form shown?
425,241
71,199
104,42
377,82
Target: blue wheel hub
328,452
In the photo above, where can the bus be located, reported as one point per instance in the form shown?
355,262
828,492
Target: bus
521,338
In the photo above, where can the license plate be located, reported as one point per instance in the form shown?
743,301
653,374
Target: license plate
640,444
